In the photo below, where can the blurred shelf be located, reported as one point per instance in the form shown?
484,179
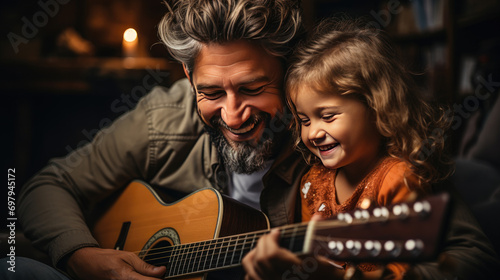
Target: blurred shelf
425,37
84,75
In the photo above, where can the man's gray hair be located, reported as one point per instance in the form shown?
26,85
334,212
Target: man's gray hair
274,24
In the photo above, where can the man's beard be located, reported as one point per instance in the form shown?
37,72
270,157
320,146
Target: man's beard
249,156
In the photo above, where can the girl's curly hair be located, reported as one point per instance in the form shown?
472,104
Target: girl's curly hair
345,56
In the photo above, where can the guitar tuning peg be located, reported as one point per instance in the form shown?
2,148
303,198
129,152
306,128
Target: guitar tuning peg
381,213
423,208
414,246
362,215
336,247
401,210
346,217
353,246
392,248
373,247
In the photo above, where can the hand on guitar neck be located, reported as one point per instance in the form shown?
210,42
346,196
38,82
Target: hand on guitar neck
96,263
270,261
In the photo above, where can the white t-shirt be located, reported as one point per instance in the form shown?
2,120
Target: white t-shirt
246,188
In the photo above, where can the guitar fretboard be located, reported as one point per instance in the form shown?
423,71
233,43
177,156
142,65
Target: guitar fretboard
205,256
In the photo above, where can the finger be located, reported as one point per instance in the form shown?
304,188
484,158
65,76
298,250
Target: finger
146,269
317,217
275,235
138,276
272,260
248,265
257,263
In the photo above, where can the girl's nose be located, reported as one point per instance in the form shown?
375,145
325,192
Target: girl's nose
316,134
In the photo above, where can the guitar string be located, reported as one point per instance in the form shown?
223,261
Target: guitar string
286,232
227,239
284,229
194,263
176,270
232,241
210,262
227,242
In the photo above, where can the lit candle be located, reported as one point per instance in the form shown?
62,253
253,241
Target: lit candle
130,42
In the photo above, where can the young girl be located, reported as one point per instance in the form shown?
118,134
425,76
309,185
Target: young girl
361,124
366,132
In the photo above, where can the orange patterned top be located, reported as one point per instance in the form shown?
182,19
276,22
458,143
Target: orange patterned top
391,181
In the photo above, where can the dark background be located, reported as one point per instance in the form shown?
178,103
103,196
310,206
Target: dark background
51,95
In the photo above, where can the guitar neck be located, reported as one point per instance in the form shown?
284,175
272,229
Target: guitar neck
222,253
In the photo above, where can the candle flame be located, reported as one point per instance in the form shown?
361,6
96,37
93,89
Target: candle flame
130,35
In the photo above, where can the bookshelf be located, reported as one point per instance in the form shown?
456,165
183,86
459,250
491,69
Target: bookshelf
439,39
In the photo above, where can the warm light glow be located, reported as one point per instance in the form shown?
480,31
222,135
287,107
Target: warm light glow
130,35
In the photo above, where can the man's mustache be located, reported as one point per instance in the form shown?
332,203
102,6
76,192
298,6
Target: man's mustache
217,121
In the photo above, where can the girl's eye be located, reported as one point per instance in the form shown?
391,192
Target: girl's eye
304,122
328,117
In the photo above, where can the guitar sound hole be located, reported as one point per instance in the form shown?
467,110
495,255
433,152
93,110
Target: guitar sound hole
159,253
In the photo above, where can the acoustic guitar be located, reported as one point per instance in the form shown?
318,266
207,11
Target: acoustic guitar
206,231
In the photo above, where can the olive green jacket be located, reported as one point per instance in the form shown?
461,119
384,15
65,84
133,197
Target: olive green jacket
162,142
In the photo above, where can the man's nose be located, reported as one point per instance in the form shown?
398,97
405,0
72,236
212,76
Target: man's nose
235,111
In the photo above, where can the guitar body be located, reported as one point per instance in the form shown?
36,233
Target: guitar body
140,221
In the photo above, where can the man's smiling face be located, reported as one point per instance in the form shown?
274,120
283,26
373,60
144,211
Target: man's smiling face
238,89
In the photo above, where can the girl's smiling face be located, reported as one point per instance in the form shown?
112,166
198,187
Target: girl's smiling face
339,129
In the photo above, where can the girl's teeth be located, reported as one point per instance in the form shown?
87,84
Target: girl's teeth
324,148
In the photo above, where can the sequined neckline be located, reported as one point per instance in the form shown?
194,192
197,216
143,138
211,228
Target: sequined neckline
365,183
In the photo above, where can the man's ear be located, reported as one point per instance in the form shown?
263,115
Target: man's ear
186,72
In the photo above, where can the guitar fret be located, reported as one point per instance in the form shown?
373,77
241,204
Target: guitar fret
175,263
171,257
213,247
196,257
168,256
255,237
221,246
190,258
243,250
179,260
203,253
234,250
175,259
199,255
292,240
185,267
183,259
229,246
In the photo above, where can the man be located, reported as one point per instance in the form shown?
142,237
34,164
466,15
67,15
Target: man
224,127
227,134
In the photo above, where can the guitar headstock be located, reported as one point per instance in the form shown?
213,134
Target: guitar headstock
406,232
